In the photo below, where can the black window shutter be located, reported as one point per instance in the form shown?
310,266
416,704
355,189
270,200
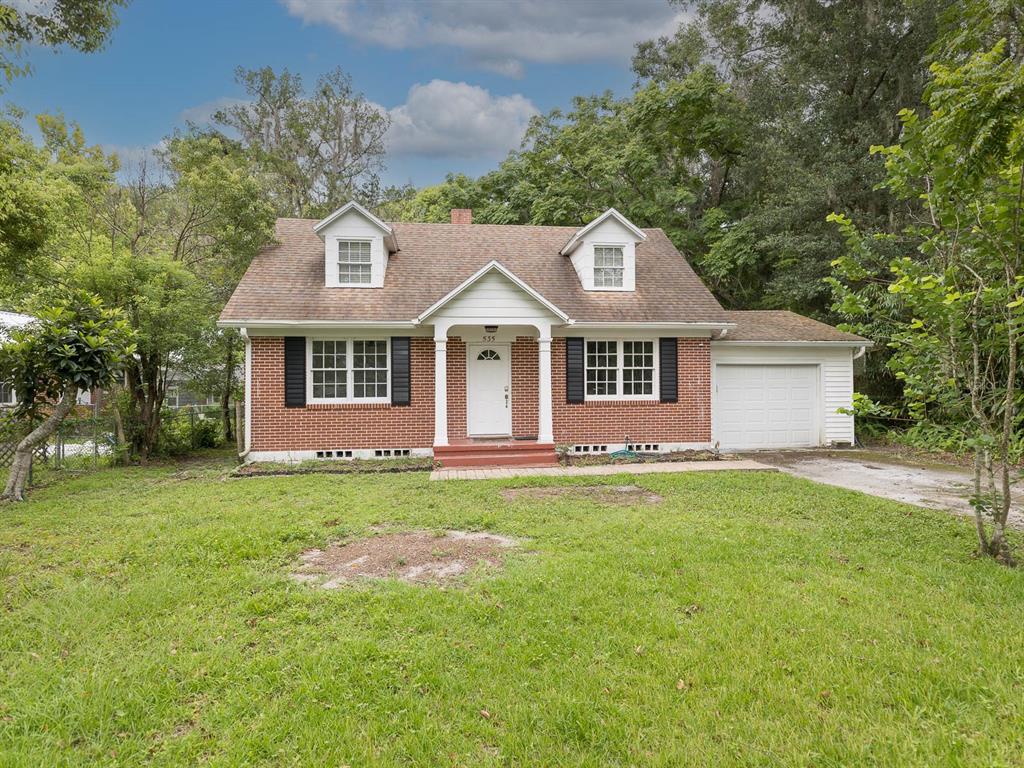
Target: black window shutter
668,376
401,377
294,371
574,374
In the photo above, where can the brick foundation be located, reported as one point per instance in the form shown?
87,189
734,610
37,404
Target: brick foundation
354,426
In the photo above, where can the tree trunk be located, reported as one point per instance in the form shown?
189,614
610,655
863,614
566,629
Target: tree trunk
240,426
146,385
18,479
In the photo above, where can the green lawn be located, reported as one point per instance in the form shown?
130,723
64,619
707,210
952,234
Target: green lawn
147,619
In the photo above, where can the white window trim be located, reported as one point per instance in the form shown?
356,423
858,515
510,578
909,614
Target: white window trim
13,401
620,358
337,263
622,270
349,376
624,247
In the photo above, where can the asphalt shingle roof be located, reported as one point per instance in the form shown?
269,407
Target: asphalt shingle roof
286,281
780,325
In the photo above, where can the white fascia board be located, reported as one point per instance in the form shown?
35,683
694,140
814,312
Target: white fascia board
812,344
489,266
352,206
610,213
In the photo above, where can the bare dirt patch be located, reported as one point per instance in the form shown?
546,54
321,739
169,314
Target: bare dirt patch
416,556
602,494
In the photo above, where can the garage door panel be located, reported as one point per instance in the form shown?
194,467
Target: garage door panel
766,406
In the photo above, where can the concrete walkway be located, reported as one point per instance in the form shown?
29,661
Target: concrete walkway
601,469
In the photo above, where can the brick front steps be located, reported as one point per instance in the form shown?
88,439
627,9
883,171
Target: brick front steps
511,453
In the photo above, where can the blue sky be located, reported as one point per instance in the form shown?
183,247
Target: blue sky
460,79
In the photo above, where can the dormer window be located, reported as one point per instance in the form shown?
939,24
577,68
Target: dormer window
357,246
609,266
603,253
354,262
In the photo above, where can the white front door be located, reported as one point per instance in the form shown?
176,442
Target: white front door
489,384
766,406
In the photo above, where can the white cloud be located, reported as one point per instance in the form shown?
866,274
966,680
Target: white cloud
202,114
443,118
438,119
134,159
496,35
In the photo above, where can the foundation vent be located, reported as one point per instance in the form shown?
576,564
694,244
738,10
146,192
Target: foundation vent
593,448
643,447
391,453
334,454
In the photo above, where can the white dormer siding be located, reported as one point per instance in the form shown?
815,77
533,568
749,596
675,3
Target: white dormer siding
354,224
608,234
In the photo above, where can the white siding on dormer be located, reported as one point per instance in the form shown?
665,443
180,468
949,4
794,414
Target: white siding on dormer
354,226
492,299
608,232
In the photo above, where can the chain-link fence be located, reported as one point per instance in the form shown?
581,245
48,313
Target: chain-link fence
87,439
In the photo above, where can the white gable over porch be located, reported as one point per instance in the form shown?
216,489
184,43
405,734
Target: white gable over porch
491,298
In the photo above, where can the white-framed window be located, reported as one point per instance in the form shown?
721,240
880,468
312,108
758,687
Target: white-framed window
354,262
609,266
602,368
7,395
638,368
369,369
621,369
348,370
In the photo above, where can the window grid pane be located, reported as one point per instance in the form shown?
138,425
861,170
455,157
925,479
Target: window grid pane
354,261
638,368
329,369
608,267
602,367
369,369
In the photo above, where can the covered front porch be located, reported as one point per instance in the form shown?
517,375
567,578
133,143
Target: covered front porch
492,368
492,395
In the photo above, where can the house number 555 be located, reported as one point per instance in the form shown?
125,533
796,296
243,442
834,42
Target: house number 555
490,338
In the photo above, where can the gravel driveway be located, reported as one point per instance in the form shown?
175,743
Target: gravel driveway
926,484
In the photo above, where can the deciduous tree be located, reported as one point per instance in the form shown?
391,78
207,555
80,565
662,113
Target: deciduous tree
315,150
958,352
76,344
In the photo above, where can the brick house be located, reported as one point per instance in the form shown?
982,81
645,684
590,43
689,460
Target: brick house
479,343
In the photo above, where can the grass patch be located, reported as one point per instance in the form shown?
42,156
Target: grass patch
147,618
336,467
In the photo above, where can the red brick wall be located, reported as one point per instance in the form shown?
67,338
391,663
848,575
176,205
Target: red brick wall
334,427
456,388
525,387
338,426
608,421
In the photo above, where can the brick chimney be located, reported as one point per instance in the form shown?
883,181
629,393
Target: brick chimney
462,215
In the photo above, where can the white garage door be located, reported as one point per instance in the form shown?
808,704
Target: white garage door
766,406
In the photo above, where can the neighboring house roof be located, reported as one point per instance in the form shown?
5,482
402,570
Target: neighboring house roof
13,320
286,281
782,326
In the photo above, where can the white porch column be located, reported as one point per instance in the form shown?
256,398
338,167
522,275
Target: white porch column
545,430
441,386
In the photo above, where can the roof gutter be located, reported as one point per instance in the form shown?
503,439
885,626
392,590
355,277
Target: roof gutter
799,343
